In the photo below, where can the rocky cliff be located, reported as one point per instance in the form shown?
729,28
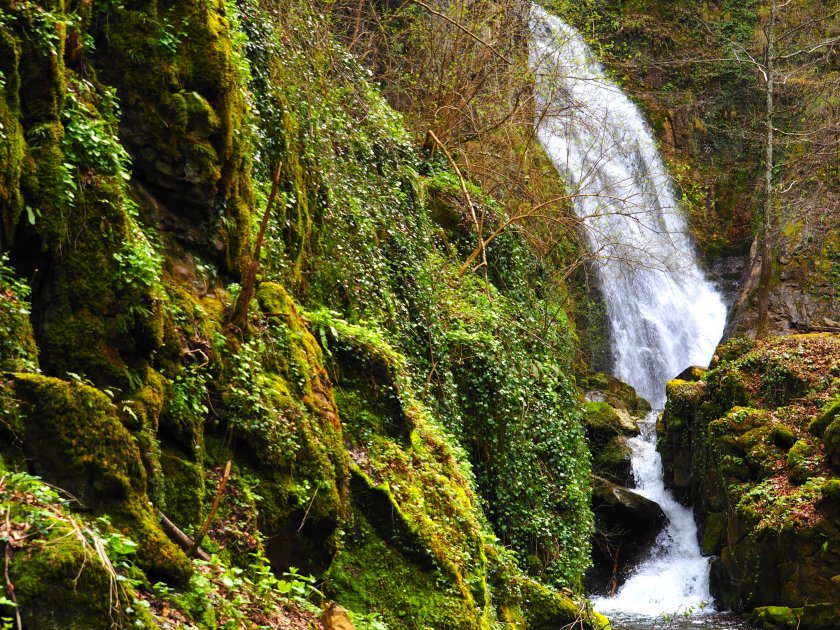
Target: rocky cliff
753,443
203,439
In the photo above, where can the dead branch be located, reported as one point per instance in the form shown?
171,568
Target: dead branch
247,292
180,538
203,531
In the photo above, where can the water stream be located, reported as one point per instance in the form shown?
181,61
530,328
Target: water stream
663,314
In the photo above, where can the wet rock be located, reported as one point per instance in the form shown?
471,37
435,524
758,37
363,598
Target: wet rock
626,525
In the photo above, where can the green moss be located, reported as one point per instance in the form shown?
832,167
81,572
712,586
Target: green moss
831,490
617,393
12,142
683,398
800,465
714,533
377,574
61,577
601,416
612,459
775,618
182,490
545,609
182,92
826,416
783,436
832,443
61,585
75,440
734,349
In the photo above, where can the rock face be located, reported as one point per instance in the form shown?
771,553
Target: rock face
626,525
753,443
804,294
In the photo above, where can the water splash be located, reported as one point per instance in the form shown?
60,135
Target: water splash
664,315
675,576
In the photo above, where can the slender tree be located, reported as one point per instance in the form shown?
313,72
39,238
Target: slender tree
797,39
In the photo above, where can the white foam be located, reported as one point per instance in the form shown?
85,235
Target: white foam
664,315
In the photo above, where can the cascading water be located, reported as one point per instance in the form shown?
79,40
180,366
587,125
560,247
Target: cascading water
664,315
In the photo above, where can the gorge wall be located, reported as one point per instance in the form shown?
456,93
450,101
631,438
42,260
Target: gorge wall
408,434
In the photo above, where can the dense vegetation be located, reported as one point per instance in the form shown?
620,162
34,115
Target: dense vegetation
386,415
406,432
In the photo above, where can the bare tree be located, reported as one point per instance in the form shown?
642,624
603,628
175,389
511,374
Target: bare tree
792,62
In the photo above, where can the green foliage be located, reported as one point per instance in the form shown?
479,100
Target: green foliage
773,510
90,137
17,346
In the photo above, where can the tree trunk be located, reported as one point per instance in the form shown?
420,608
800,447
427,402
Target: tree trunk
768,222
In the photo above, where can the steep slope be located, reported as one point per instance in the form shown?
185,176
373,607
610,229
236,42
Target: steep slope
393,427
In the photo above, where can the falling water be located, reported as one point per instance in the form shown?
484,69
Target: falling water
664,315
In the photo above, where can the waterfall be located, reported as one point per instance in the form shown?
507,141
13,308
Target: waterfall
664,315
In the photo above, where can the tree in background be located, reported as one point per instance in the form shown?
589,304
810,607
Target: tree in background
794,56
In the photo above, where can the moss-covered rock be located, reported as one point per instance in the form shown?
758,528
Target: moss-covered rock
758,473
832,443
800,466
176,73
74,438
827,414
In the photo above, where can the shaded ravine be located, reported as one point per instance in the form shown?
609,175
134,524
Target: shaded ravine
663,314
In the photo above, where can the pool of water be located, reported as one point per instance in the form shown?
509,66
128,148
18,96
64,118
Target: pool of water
708,621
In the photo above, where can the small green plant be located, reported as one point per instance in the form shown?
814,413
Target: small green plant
90,141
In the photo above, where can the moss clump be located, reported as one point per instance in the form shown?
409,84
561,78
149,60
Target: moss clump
827,414
775,618
378,573
545,609
783,436
617,393
182,490
74,438
60,584
831,490
800,465
683,398
832,443
600,416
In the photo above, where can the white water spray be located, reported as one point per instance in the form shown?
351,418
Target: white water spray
664,315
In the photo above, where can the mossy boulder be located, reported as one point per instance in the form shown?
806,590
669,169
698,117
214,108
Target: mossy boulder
827,415
618,394
545,609
74,439
607,430
800,465
832,443
783,436
775,618
809,617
